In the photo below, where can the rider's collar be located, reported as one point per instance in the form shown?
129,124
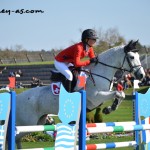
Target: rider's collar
87,47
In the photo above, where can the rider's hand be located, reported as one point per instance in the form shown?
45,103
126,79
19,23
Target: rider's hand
94,60
78,69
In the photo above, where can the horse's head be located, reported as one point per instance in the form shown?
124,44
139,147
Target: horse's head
132,62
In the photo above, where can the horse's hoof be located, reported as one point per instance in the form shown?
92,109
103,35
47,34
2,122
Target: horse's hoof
107,110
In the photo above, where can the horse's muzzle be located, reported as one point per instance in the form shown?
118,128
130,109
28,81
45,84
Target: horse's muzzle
140,73
140,76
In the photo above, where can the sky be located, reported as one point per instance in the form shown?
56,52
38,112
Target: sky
61,21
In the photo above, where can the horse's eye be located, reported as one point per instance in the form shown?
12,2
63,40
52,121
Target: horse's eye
131,57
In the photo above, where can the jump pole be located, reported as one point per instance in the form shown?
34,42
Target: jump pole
118,129
37,128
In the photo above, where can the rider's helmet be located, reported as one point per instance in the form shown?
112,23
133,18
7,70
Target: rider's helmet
88,34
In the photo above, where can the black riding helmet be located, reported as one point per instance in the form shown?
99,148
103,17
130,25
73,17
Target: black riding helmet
88,34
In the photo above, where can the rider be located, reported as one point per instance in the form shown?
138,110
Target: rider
75,53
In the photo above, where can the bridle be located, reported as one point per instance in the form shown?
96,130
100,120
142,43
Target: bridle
118,68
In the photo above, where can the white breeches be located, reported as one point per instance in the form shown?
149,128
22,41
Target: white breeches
62,67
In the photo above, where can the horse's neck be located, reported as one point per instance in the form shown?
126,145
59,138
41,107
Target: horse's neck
112,57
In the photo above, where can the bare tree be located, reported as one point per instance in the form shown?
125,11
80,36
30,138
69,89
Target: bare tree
109,39
18,47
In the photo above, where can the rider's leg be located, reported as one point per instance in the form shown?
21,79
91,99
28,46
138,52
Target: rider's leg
63,68
68,85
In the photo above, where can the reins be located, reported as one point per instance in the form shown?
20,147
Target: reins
118,68
121,68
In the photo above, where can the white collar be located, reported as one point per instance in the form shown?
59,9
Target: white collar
87,48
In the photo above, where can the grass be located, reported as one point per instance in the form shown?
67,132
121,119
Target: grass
123,113
29,63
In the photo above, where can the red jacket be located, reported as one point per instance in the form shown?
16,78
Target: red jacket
74,54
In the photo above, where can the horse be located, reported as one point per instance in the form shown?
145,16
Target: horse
34,104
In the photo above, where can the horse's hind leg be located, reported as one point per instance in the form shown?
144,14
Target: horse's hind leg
90,117
94,116
42,120
18,144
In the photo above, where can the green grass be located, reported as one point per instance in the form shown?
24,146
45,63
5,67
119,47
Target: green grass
29,63
37,144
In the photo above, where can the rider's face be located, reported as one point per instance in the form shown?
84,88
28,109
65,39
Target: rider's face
91,42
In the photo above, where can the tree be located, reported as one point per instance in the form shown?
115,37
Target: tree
108,39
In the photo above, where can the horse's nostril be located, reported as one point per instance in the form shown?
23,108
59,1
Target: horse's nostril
141,76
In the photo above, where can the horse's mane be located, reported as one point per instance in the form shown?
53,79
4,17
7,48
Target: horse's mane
109,53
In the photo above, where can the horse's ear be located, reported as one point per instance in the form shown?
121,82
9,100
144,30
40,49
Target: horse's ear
134,46
135,43
131,46
130,43
127,48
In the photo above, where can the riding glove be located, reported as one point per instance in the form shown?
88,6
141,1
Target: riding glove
94,60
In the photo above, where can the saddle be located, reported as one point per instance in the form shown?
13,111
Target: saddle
56,76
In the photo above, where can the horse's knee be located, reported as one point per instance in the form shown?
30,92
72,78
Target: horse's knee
120,94
123,95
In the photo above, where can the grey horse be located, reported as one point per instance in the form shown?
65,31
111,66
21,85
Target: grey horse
33,105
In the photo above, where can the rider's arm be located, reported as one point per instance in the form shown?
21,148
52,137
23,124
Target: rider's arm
77,58
91,53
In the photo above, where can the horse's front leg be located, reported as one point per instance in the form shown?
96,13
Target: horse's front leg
120,95
95,98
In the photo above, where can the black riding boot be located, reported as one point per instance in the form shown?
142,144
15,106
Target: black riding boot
68,86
